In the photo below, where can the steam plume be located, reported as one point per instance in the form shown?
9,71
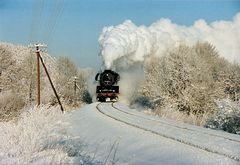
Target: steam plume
126,44
125,47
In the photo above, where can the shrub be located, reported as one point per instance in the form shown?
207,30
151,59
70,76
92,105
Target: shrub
227,118
11,105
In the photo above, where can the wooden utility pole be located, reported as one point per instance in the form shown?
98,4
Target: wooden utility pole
38,76
38,48
39,59
75,84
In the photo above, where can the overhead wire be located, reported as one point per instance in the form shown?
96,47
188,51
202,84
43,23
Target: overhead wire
37,12
43,26
57,10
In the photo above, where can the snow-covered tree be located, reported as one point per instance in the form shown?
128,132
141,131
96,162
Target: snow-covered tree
189,79
18,80
71,81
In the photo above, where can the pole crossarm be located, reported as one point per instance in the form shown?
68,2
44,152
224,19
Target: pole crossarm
38,47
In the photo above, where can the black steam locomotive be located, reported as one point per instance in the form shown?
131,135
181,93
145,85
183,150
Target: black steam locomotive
107,90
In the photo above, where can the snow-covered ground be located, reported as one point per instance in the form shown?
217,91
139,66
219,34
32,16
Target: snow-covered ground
40,137
106,133
131,137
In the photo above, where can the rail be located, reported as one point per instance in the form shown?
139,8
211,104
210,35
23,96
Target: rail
118,112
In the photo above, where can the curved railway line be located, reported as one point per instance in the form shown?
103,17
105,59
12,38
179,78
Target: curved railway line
180,127
116,112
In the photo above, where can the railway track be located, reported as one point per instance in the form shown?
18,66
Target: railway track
174,132
202,130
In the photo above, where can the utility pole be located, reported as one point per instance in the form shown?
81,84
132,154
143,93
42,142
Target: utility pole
75,84
75,89
39,59
38,76
38,48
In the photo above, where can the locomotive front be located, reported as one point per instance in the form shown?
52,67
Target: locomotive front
107,90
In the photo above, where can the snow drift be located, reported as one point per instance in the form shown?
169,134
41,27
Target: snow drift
125,47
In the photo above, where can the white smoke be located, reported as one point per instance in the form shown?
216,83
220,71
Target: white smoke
130,79
127,46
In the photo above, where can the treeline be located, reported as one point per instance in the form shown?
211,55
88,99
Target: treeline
18,82
188,82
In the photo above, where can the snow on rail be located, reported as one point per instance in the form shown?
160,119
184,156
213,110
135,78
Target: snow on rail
217,142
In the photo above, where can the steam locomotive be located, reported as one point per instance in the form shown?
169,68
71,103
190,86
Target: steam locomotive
107,90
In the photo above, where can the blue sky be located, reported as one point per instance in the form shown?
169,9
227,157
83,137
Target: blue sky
80,23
